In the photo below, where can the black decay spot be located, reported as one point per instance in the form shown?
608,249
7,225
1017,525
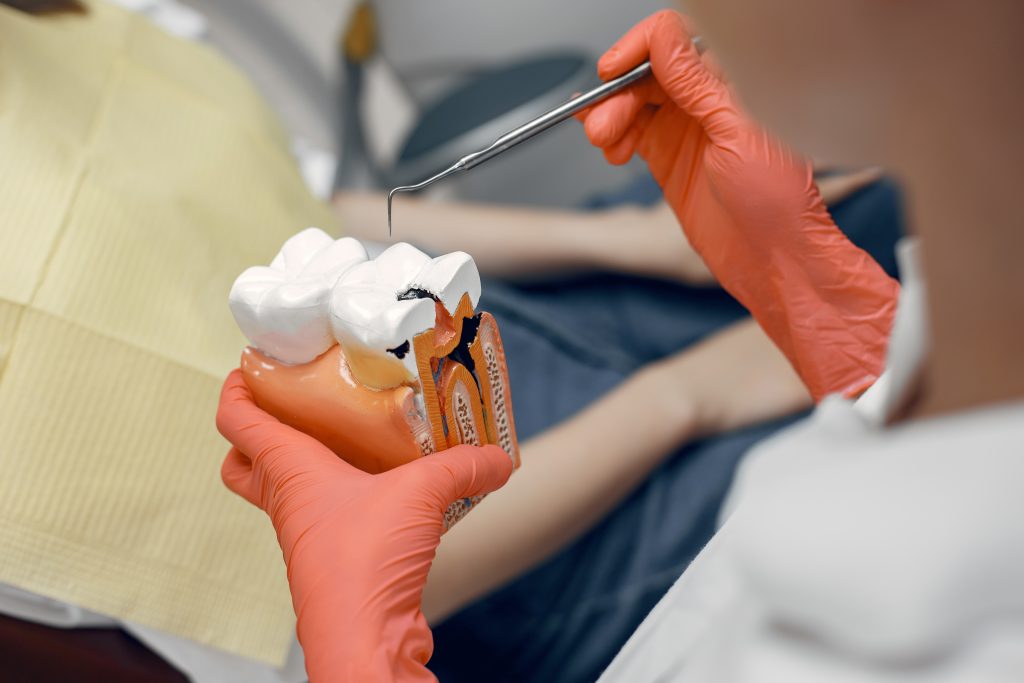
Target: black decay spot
401,350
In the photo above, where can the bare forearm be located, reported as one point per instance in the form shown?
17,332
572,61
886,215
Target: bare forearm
734,378
649,242
518,242
503,240
576,472
521,242
571,476
835,188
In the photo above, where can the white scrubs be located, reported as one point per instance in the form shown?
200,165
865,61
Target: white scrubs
855,551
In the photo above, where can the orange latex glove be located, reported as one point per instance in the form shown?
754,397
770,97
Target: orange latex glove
357,546
749,207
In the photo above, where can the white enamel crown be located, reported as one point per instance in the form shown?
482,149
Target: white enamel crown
318,291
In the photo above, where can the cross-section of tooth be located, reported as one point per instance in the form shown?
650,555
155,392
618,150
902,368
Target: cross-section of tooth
282,309
378,307
449,277
384,360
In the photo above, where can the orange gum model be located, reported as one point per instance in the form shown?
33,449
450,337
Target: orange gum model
461,395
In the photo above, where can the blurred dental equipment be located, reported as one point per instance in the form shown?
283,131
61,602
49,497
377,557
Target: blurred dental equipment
529,130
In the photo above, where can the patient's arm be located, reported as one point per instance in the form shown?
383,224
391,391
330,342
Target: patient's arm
836,187
520,242
576,472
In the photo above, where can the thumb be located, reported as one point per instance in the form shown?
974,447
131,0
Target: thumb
633,47
463,471
236,473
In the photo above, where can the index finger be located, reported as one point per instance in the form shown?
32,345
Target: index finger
666,39
634,46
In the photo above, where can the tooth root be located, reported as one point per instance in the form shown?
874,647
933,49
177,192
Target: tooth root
464,419
450,276
488,356
462,407
426,351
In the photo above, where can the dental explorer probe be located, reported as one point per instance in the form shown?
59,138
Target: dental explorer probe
528,130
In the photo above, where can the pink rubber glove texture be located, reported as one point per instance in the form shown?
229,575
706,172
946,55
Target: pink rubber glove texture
750,208
357,546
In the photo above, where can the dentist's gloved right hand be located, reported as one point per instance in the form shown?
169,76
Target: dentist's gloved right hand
358,546
749,207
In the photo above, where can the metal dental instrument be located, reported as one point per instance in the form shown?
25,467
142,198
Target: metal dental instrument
528,130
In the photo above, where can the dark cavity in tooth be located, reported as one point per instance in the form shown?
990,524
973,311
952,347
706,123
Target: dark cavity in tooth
416,293
401,350
461,352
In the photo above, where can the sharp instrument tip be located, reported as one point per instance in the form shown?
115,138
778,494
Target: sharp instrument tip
391,196
457,166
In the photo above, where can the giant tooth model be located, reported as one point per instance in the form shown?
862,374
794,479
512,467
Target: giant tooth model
383,360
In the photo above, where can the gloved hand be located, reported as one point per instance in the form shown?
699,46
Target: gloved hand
749,207
357,546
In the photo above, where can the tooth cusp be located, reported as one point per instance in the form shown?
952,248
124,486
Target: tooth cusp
282,308
299,250
318,290
336,258
398,264
448,277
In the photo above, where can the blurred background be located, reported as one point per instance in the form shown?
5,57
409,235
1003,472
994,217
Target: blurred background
395,90
372,95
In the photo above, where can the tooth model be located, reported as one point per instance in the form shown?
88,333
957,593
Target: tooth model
383,360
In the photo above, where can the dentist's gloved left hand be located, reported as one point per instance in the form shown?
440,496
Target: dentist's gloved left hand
357,546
